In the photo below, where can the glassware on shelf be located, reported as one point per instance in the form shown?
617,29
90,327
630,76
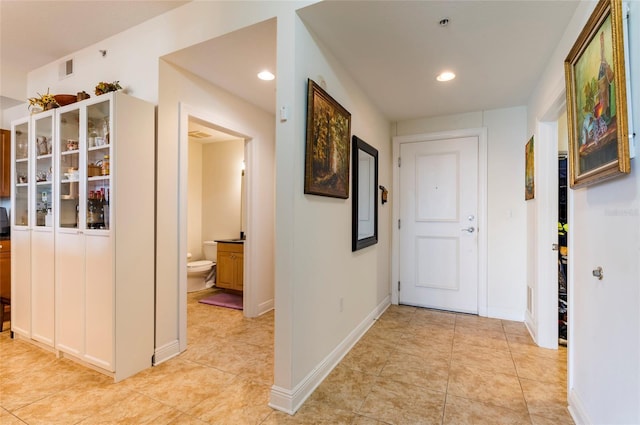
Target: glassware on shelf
105,131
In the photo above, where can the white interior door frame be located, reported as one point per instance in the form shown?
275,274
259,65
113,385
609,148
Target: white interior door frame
546,170
187,112
481,134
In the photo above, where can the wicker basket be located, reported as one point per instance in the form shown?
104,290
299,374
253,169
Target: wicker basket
93,170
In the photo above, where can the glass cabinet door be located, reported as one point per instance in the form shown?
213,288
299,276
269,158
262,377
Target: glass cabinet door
43,153
69,169
21,139
98,183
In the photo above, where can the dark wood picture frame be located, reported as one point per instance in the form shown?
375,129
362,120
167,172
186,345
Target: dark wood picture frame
597,99
364,222
326,168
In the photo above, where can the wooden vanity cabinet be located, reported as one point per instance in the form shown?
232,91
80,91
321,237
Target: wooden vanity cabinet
5,276
230,262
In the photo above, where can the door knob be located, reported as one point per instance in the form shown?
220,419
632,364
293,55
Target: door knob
470,229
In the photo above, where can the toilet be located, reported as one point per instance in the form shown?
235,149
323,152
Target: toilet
201,273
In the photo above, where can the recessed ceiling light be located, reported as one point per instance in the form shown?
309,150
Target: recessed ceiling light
446,76
266,75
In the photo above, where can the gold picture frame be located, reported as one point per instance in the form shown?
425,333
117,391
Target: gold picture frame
326,169
529,171
597,99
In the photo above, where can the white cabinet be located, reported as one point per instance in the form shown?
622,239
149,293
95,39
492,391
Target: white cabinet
20,231
84,230
105,239
32,227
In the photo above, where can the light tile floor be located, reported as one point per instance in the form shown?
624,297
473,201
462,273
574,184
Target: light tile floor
414,366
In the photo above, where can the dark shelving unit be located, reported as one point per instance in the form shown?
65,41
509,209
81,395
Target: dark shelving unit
562,251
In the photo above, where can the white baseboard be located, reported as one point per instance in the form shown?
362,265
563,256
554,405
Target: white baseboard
505,314
290,400
265,307
577,411
166,352
531,325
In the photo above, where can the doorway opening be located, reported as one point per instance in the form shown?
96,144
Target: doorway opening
563,228
213,205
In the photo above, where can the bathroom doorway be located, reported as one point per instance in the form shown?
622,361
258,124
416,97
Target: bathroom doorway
212,184
215,81
250,204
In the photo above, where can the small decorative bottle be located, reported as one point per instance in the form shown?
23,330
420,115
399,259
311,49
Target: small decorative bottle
105,165
105,130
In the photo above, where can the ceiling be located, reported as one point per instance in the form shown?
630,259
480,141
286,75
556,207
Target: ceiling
392,49
395,50
234,60
35,33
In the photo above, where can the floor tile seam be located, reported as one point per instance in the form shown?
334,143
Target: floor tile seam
9,413
526,403
164,403
364,399
446,393
494,405
32,402
559,380
539,356
368,416
485,369
199,363
23,420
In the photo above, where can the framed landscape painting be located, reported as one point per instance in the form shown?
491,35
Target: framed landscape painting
597,99
529,175
327,146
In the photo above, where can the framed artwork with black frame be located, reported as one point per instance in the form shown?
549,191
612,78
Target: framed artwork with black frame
364,224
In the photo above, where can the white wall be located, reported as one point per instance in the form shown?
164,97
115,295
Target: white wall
604,331
194,220
506,129
563,133
315,266
213,193
221,189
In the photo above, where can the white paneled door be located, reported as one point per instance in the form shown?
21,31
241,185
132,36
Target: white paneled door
438,224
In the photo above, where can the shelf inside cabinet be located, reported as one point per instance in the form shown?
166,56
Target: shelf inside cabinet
47,156
98,178
97,148
76,151
22,159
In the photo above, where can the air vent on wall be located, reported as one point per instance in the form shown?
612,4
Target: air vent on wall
196,134
66,68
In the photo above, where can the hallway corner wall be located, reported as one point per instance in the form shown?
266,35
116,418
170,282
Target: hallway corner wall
604,319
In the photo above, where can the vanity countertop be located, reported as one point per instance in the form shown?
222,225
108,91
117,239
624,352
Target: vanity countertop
240,241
